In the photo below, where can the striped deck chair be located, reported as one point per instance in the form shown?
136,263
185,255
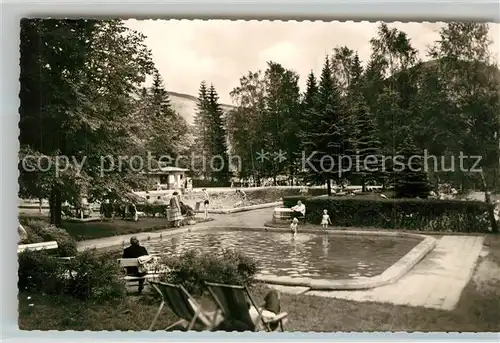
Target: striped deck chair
185,307
234,302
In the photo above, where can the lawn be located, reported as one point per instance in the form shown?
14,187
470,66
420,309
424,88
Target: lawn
107,228
478,310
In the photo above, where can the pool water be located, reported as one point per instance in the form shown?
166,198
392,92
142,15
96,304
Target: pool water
315,256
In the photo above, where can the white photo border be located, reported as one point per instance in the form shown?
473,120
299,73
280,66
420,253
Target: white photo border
13,11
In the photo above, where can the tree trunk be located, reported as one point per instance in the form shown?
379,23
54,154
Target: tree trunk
491,214
55,204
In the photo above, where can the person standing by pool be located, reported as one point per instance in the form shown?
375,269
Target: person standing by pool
293,227
206,201
325,220
175,210
299,210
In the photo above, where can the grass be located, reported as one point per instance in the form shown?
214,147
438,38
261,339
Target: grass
108,228
477,311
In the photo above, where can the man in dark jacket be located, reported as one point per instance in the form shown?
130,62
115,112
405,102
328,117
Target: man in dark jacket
135,250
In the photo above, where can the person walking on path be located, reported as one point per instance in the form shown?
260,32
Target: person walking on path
175,210
206,201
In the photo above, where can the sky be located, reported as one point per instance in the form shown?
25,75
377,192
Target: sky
221,51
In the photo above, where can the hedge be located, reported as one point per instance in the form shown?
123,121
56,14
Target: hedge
40,231
88,275
408,214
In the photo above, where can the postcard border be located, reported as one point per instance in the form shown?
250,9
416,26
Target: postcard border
13,11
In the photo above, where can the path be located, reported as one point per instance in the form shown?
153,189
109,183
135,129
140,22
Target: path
436,282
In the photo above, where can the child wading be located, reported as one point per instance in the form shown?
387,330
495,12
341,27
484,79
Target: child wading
293,226
325,220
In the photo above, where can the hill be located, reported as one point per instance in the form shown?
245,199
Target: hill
185,105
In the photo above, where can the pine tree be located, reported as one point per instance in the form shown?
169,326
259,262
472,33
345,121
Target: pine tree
168,136
159,96
322,142
411,178
202,134
307,105
368,161
218,138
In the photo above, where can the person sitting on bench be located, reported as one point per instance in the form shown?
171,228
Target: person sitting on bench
299,210
135,250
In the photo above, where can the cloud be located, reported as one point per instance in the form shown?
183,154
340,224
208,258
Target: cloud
221,51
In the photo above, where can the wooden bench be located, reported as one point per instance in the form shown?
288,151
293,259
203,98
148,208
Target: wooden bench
134,262
282,213
37,246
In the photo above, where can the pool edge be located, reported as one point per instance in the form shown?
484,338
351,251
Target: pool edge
389,276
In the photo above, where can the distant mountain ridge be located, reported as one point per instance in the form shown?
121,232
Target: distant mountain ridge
185,105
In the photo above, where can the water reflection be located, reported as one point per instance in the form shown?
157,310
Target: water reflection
306,255
325,245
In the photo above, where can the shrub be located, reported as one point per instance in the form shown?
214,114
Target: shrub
87,276
192,268
40,273
410,214
40,231
95,277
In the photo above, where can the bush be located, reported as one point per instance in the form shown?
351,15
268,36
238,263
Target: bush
87,276
95,277
40,273
40,231
192,268
410,214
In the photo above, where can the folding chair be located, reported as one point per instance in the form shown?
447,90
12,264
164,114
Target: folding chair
233,301
184,306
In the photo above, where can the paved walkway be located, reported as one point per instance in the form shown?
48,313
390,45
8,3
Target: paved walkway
436,282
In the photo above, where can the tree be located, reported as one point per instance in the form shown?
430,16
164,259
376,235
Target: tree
218,138
322,143
392,58
369,163
411,179
472,91
282,99
202,131
76,107
165,131
245,121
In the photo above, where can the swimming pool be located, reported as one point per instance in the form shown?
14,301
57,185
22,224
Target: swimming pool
309,255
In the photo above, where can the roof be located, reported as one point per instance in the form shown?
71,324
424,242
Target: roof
162,170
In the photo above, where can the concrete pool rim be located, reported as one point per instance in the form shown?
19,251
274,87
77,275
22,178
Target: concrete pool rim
389,276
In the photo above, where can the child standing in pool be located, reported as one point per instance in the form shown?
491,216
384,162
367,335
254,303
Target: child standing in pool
293,226
325,220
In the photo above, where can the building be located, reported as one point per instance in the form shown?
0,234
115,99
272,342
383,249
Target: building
168,178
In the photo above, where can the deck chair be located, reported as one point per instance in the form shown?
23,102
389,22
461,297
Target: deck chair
234,302
184,306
